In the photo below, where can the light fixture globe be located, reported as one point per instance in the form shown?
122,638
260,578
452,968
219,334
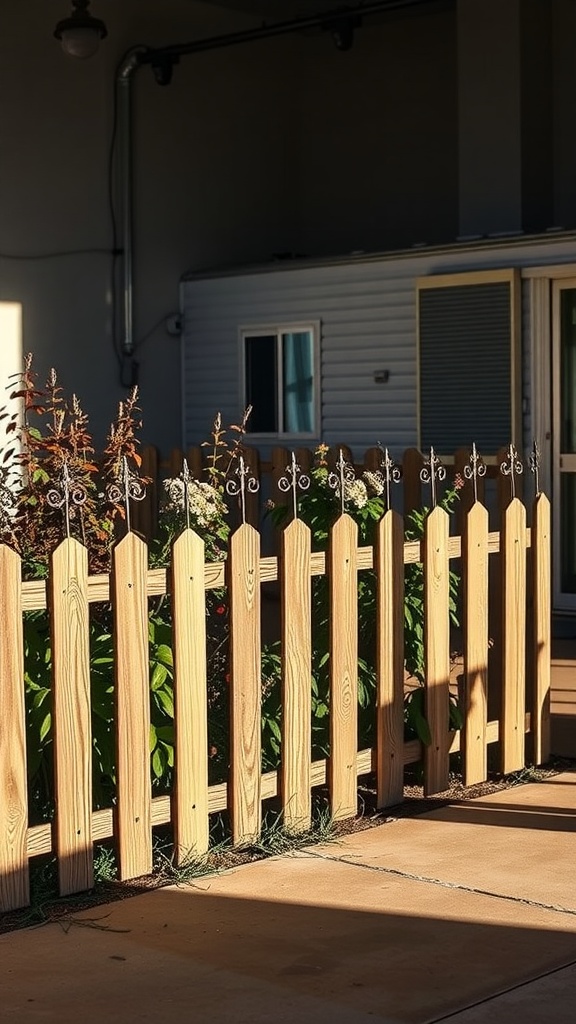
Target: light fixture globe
80,34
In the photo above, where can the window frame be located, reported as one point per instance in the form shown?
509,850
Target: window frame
278,328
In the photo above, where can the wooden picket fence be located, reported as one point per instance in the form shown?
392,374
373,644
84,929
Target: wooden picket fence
70,590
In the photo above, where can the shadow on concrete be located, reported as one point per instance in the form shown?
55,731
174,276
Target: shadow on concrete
296,939
541,818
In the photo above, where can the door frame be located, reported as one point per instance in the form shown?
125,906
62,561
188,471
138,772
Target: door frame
562,602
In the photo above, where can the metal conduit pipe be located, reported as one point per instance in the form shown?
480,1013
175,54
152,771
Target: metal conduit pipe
162,60
326,20
124,75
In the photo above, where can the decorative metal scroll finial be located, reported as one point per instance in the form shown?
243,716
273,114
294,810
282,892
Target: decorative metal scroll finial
245,483
337,481
185,477
431,472
512,467
389,473
534,462
127,487
294,481
475,470
68,492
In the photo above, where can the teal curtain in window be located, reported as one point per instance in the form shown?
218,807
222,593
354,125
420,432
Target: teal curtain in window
298,372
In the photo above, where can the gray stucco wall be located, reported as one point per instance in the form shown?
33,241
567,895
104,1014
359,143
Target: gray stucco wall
280,146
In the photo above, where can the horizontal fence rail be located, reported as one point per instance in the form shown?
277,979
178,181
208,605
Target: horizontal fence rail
69,592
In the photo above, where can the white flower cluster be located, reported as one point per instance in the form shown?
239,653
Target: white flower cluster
374,482
205,503
355,493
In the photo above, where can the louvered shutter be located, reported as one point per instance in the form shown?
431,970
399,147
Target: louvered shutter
468,361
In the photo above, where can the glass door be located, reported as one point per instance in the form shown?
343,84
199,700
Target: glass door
564,468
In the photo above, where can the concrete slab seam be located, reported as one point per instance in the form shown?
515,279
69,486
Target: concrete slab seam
445,885
501,992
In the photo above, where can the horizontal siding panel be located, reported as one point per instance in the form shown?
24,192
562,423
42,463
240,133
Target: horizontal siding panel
367,312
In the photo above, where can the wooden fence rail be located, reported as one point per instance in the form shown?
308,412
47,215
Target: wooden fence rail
70,591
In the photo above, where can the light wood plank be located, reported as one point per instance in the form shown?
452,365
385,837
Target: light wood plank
542,651
295,593
72,716
437,650
412,463
191,831
132,700
343,583
389,567
513,636
245,686
475,581
14,885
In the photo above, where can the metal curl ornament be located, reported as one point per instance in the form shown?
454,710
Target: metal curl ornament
70,492
534,463
337,481
186,477
294,481
512,467
246,483
475,470
126,488
432,471
389,473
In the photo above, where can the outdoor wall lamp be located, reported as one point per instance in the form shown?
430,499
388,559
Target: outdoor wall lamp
80,34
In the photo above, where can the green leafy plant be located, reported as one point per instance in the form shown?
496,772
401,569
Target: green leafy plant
319,507
53,434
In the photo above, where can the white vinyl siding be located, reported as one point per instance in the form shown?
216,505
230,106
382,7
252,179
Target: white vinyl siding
367,311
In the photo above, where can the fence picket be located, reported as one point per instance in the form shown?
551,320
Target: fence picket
132,700
541,629
252,499
279,460
69,620
343,582
437,650
412,463
513,562
14,883
145,513
475,607
245,685
296,671
389,568
191,833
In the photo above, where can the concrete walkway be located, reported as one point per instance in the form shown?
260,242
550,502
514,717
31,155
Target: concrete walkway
466,913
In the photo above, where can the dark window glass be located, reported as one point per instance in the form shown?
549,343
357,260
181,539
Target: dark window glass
568,371
262,383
